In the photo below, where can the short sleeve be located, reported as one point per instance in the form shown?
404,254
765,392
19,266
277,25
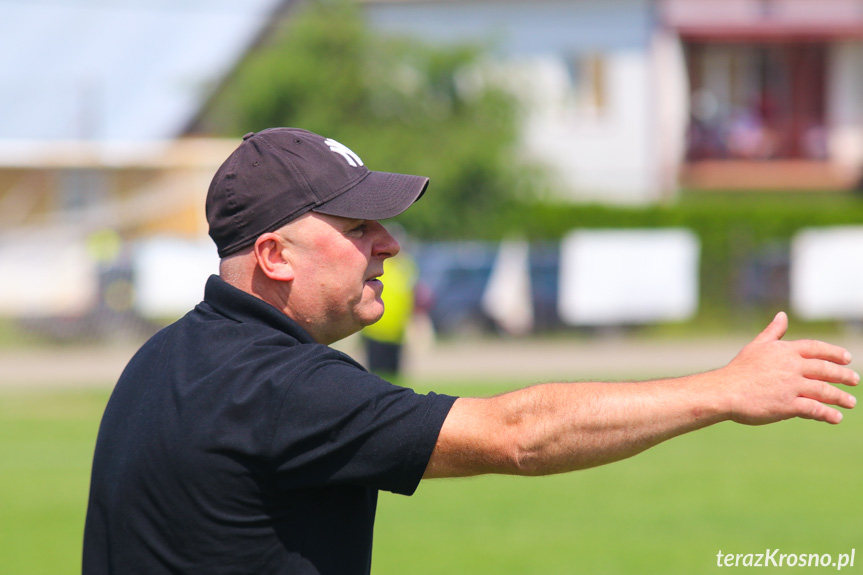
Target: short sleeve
340,424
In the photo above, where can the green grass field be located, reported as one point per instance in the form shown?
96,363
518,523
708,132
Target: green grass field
46,446
791,486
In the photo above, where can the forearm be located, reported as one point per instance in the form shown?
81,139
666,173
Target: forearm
564,427
559,427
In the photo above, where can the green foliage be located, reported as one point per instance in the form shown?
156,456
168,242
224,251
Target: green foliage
402,105
735,230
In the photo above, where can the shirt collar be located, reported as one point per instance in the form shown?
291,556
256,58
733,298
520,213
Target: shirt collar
241,306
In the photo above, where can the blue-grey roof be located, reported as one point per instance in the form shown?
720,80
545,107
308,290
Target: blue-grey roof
116,69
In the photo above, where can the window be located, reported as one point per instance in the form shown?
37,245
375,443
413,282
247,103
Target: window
587,73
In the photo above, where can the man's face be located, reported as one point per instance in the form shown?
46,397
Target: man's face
336,262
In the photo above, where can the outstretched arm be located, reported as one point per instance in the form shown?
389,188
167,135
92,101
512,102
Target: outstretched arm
558,427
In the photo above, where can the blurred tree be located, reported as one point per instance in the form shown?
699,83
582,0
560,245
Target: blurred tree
403,105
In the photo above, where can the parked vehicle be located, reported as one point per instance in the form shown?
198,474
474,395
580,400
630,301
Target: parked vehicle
455,275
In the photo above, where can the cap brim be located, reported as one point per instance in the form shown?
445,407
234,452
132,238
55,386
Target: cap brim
378,196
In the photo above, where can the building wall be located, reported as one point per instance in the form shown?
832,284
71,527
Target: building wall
587,72
135,188
622,138
845,103
600,153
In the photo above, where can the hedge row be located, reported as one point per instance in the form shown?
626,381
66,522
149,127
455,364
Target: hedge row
745,237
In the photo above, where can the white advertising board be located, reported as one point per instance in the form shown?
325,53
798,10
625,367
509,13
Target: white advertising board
170,273
826,279
624,277
38,280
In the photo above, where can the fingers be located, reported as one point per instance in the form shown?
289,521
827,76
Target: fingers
826,393
814,398
811,409
775,330
813,349
825,370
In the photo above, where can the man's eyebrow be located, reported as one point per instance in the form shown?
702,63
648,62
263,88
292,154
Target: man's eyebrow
353,222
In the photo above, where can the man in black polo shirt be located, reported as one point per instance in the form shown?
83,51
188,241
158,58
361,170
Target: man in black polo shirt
237,441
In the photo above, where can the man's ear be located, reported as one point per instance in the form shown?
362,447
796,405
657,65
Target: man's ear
272,256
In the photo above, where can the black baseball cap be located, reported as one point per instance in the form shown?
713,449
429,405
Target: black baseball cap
279,174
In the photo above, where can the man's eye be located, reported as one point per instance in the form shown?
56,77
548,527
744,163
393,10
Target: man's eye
359,229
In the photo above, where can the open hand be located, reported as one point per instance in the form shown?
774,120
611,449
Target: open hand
771,380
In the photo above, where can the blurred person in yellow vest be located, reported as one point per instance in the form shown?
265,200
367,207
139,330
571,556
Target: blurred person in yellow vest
384,339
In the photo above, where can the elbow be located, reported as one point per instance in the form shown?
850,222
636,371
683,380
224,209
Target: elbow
531,459
521,447
524,455
526,463
534,451
534,460
494,436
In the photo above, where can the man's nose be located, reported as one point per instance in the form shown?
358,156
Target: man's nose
385,244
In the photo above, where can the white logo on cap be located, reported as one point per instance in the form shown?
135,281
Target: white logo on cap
345,152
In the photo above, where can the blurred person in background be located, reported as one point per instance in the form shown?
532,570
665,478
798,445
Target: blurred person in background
384,340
